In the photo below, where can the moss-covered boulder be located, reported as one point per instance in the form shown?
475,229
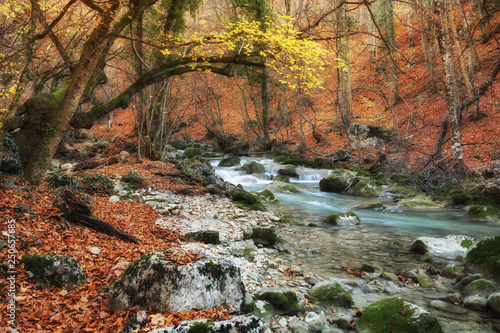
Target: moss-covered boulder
400,179
480,287
335,183
230,161
451,271
331,293
369,205
192,152
482,213
484,255
371,268
464,281
420,202
59,271
397,315
281,187
494,302
247,200
264,236
347,218
427,257
153,281
269,197
254,167
288,170
366,187
424,280
205,236
284,302
281,178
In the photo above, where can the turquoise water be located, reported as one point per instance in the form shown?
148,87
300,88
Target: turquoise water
313,206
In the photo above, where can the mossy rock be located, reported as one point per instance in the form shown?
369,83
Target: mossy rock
230,161
366,188
205,236
282,178
59,271
269,197
369,205
482,213
397,315
451,271
288,170
347,218
281,187
201,327
371,268
425,281
331,294
481,287
427,257
264,236
494,302
247,201
192,152
417,203
284,302
484,255
333,183
419,247
401,179
254,167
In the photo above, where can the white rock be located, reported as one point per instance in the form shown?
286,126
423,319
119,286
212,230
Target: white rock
114,198
94,250
448,247
315,321
67,167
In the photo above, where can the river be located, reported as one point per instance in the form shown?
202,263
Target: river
324,249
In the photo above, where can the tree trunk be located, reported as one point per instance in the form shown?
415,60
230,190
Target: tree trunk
445,42
426,46
59,123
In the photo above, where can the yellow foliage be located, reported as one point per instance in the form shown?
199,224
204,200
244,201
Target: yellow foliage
297,61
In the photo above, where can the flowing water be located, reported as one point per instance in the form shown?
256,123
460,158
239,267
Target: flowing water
324,249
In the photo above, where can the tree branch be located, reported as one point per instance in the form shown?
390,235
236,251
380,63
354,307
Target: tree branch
158,74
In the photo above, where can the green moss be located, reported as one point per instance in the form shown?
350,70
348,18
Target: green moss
43,266
396,315
201,327
418,202
371,268
466,243
419,246
246,200
192,152
427,257
485,255
254,167
366,188
369,205
285,302
478,212
331,294
230,161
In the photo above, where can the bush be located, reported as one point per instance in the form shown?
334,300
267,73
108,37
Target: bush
133,178
98,184
57,180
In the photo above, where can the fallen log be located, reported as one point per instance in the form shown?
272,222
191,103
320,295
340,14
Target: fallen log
75,211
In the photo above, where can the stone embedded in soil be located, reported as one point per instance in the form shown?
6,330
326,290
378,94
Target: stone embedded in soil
154,282
59,271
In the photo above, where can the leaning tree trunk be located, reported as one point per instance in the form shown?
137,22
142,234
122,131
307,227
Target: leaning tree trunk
59,123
